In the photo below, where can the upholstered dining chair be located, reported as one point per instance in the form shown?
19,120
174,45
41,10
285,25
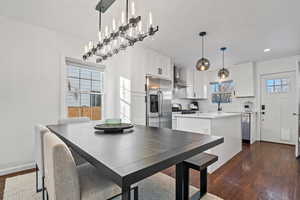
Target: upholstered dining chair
78,159
39,158
66,181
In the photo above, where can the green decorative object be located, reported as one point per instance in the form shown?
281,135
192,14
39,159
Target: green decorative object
113,121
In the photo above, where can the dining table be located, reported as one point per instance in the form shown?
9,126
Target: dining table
133,155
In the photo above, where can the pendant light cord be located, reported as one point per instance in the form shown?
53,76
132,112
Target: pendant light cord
223,49
223,59
202,46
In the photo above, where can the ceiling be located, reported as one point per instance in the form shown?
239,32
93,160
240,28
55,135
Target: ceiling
246,27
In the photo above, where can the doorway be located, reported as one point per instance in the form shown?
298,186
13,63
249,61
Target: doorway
278,107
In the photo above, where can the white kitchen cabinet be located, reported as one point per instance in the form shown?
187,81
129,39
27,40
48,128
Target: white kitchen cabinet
188,76
243,77
145,61
228,127
174,124
197,84
159,65
195,125
200,85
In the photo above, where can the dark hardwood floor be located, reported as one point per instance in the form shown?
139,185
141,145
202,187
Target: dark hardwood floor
262,171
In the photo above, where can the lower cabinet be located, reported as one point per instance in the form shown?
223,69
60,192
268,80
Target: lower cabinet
174,124
195,125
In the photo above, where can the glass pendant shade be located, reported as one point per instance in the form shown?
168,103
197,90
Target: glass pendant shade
203,64
223,73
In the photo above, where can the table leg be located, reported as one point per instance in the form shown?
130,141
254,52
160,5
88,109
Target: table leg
203,182
182,182
126,192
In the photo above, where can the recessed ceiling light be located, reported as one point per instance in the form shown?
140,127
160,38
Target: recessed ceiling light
267,50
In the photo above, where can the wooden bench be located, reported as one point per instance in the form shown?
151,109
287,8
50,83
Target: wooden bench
200,163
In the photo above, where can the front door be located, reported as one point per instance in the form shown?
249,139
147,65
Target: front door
278,105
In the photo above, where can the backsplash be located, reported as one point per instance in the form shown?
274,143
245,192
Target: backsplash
184,102
235,106
207,106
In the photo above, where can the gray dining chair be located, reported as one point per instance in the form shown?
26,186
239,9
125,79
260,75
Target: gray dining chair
39,158
78,159
66,181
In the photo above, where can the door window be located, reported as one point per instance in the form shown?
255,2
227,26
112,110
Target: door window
277,86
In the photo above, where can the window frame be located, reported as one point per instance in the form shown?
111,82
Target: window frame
284,82
65,63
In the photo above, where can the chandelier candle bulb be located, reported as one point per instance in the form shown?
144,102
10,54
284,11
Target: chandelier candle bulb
150,19
91,45
133,9
140,27
114,25
86,49
100,36
123,18
106,31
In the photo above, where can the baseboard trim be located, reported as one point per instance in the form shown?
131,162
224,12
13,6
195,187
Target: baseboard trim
12,170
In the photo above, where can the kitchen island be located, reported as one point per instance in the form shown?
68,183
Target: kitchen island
227,125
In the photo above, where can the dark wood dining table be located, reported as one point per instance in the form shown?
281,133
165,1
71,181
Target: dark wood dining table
129,157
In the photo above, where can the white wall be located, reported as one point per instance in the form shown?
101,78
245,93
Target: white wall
31,67
30,86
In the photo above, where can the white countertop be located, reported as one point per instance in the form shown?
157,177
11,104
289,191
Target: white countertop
209,115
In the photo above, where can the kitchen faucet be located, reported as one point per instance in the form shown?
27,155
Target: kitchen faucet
219,106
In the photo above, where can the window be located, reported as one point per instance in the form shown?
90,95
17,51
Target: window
84,97
277,85
222,91
125,99
222,87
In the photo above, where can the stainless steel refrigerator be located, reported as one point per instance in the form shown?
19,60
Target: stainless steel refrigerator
158,102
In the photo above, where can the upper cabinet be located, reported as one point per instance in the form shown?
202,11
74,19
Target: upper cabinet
197,84
146,61
200,84
243,77
159,65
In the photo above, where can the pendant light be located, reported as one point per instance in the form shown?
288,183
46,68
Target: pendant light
223,73
203,64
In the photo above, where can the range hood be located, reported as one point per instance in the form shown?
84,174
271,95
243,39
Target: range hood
178,79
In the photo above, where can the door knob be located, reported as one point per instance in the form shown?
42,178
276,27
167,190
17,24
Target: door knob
295,114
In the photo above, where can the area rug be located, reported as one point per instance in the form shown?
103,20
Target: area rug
156,187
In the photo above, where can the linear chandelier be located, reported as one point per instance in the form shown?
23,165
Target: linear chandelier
127,34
